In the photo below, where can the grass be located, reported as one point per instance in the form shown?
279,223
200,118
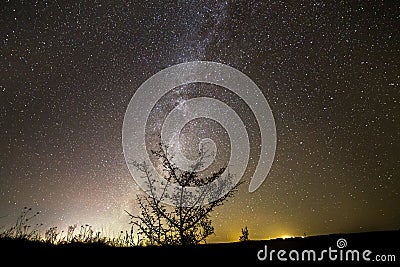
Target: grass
23,231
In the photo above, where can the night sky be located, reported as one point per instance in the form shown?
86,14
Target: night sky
329,71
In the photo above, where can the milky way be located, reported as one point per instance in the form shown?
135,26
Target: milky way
329,71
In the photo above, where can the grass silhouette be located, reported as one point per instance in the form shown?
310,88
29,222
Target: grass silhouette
85,246
22,231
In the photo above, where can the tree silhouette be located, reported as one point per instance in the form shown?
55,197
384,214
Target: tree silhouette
188,221
245,234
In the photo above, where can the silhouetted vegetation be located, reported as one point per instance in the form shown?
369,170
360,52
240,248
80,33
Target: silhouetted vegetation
245,234
26,230
188,221
28,252
23,228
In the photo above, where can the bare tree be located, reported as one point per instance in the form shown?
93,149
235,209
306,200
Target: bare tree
188,221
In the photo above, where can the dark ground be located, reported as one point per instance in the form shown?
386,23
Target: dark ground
22,253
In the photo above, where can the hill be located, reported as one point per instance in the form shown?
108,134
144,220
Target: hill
352,248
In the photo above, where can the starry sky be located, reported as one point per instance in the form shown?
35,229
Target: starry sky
328,69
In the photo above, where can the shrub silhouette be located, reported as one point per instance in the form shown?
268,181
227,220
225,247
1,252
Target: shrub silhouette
245,234
188,222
